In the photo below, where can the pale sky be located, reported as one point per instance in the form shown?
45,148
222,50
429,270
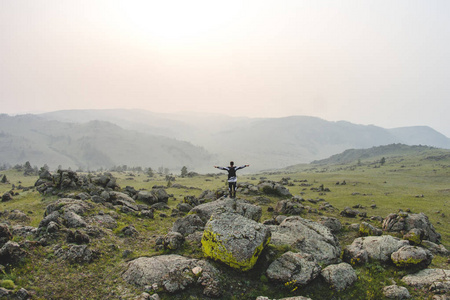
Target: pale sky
381,62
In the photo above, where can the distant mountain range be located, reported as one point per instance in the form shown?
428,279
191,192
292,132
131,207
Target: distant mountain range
104,138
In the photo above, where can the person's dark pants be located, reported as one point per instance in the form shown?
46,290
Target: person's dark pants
232,189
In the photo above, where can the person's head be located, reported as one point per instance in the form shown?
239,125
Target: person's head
231,163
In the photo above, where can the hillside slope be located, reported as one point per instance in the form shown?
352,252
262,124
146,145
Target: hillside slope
91,145
393,150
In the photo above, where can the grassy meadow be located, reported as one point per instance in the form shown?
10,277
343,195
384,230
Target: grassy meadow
415,183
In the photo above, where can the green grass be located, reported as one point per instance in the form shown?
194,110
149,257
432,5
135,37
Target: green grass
392,186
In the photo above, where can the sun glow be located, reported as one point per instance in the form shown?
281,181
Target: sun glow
179,20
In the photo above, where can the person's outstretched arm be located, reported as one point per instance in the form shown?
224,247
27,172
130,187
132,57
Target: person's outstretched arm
221,168
241,167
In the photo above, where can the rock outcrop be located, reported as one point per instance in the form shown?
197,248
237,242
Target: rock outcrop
404,222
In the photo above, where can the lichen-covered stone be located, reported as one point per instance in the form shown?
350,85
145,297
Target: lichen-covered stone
412,256
234,240
366,229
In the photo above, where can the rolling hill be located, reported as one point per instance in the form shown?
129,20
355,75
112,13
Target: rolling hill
95,138
91,145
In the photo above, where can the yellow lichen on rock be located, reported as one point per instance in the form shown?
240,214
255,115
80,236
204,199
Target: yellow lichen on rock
222,247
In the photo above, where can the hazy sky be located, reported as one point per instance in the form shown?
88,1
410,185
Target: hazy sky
381,62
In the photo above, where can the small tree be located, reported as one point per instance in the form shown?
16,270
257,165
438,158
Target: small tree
184,171
4,179
382,160
150,172
28,169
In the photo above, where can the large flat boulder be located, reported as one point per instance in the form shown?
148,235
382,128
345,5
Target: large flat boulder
242,207
427,277
173,273
308,237
234,240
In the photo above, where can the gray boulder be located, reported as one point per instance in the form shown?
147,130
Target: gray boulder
23,231
207,196
396,292
412,256
188,225
5,234
161,195
414,236
242,207
147,197
52,227
18,215
404,222
298,268
349,213
11,253
68,205
273,188
129,231
366,229
184,207
76,254
332,223
104,220
6,197
307,236
234,240
53,217
374,247
435,248
4,293
124,200
340,276
73,220
426,278
287,207
440,287
173,273
173,240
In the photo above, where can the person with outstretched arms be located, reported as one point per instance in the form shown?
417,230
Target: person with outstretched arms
232,178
